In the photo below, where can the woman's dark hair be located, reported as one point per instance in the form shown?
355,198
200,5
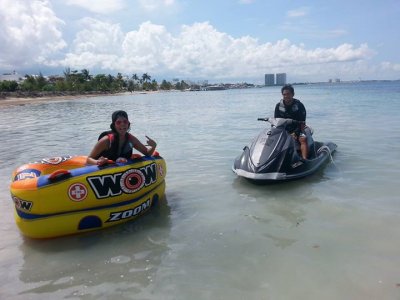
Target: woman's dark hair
287,87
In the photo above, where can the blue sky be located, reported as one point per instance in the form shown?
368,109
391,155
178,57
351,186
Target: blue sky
217,40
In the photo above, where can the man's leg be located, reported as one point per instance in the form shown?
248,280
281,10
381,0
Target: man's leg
303,146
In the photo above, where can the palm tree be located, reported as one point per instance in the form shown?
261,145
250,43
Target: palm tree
119,81
85,74
67,73
131,86
40,81
146,77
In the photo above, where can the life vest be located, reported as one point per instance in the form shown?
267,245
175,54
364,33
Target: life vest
293,108
112,152
295,111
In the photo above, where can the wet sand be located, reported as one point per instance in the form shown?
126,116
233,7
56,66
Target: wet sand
37,100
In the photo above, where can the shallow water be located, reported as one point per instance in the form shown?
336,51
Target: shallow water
333,235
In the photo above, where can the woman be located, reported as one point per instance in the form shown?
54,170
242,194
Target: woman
117,144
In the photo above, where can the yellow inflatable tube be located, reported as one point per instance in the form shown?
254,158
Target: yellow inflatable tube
62,195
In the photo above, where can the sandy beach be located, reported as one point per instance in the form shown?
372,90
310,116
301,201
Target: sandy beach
24,101
36,100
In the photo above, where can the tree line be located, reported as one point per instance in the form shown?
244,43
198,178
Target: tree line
75,81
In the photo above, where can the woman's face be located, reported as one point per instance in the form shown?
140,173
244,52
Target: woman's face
122,124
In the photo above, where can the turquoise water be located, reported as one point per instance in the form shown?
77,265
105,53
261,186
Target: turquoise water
333,235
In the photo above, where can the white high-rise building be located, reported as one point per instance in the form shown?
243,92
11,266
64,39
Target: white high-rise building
281,79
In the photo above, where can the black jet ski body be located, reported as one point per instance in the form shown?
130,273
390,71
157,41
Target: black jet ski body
274,155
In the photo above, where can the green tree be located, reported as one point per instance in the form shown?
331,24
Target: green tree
119,82
49,87
135,77
101,82
40,82
154,85
8,86
146,77
85,74
29,84
67,72
182,85
165,85
131,86
61,85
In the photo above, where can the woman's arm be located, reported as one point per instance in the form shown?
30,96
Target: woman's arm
97,149
142,148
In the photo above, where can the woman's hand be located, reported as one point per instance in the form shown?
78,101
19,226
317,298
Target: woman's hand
102,160
121,160
151,143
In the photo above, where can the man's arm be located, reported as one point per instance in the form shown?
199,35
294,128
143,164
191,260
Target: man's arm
276,114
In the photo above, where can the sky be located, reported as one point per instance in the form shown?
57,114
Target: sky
214,40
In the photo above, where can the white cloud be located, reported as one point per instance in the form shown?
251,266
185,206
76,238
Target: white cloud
99,6
391,67
98,37
29,33
199,50
299,12
145,49
98,44
310,30
152,5
300,23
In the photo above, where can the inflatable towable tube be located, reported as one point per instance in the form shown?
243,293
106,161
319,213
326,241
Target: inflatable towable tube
62,195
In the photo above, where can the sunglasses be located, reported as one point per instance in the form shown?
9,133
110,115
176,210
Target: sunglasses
119,122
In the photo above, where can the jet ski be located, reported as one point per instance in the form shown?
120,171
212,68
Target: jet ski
274,155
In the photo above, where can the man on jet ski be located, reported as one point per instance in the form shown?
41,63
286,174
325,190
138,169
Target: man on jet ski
291,108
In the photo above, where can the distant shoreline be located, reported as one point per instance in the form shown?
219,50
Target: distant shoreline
23,99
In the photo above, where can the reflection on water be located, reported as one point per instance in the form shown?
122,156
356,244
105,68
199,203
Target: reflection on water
283,200
126,256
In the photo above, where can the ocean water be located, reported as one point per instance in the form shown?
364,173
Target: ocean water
334,235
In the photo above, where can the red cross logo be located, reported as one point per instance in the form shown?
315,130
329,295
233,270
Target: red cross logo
77,192
160,170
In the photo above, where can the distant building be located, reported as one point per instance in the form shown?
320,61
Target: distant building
269,79
202,82
281,79
14,76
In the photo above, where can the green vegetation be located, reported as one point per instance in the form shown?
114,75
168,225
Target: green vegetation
75,82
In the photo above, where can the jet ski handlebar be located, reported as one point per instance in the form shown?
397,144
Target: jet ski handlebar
279,121
263,119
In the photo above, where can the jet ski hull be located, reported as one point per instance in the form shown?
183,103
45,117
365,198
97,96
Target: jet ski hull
297,171
272,157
